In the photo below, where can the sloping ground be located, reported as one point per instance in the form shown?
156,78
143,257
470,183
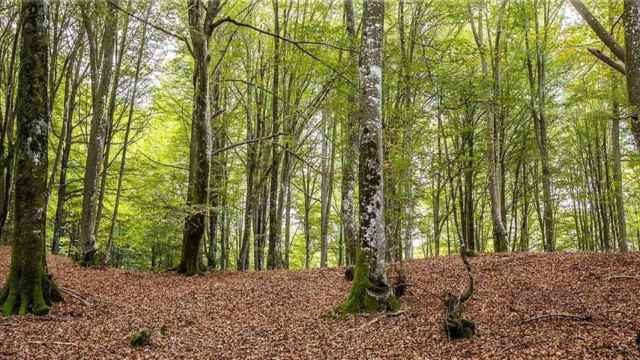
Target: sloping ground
283,314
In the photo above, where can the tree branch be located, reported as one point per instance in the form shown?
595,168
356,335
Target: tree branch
297,44
609,61
600,31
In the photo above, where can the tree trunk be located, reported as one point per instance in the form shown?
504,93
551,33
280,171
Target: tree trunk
97,137
200,30
273,256
631,17
370,291
111,110
72,85
127,133
325,195
350,140
7,154
29,288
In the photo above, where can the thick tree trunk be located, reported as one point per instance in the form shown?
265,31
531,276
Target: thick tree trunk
29,289
99,126
370,291
200,29
631,17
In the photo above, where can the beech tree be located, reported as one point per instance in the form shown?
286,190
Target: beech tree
29,287
101,69
370,290
200,28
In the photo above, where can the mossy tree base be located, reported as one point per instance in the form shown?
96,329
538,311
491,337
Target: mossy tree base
22,296
191,268
455,325
369,295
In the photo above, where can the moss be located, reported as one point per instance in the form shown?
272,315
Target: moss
360,299
140,338
10,303
393,304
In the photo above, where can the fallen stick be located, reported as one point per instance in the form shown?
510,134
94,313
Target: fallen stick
76,296
552,316
52,343
622,277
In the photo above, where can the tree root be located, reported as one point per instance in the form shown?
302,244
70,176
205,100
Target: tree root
455,325
35,300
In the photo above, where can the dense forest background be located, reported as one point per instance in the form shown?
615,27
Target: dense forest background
497,115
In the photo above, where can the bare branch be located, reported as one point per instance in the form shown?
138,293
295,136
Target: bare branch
609,61
600,31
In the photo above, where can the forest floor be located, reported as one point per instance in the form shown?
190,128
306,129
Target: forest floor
563,306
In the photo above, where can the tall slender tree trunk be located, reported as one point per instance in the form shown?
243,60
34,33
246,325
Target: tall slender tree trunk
350,130
72,84
111,110
273,257
7,152
127,134
97,137
494,124
325,187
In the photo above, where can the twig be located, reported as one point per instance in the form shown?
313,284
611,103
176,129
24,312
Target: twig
52,343
524,344
622,277
76,296
376,319
397,313
560,315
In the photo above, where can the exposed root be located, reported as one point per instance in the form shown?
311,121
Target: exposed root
456,326
35,300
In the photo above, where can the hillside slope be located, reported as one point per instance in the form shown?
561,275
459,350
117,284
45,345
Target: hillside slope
282,314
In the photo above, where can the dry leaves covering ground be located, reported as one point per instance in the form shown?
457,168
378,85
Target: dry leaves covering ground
282,315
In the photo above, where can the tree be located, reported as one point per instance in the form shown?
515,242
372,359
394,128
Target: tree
629,56
350,141
201,27
100,80
370,291
29,287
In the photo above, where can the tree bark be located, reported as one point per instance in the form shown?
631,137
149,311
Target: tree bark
29,288
127,134
200,29
631,17
273,256
350,146
97,137
370,291
72,84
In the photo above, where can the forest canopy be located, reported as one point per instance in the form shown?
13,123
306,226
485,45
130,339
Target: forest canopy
503,129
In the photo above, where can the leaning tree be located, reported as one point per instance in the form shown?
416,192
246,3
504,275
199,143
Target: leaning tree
29,288
371,291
